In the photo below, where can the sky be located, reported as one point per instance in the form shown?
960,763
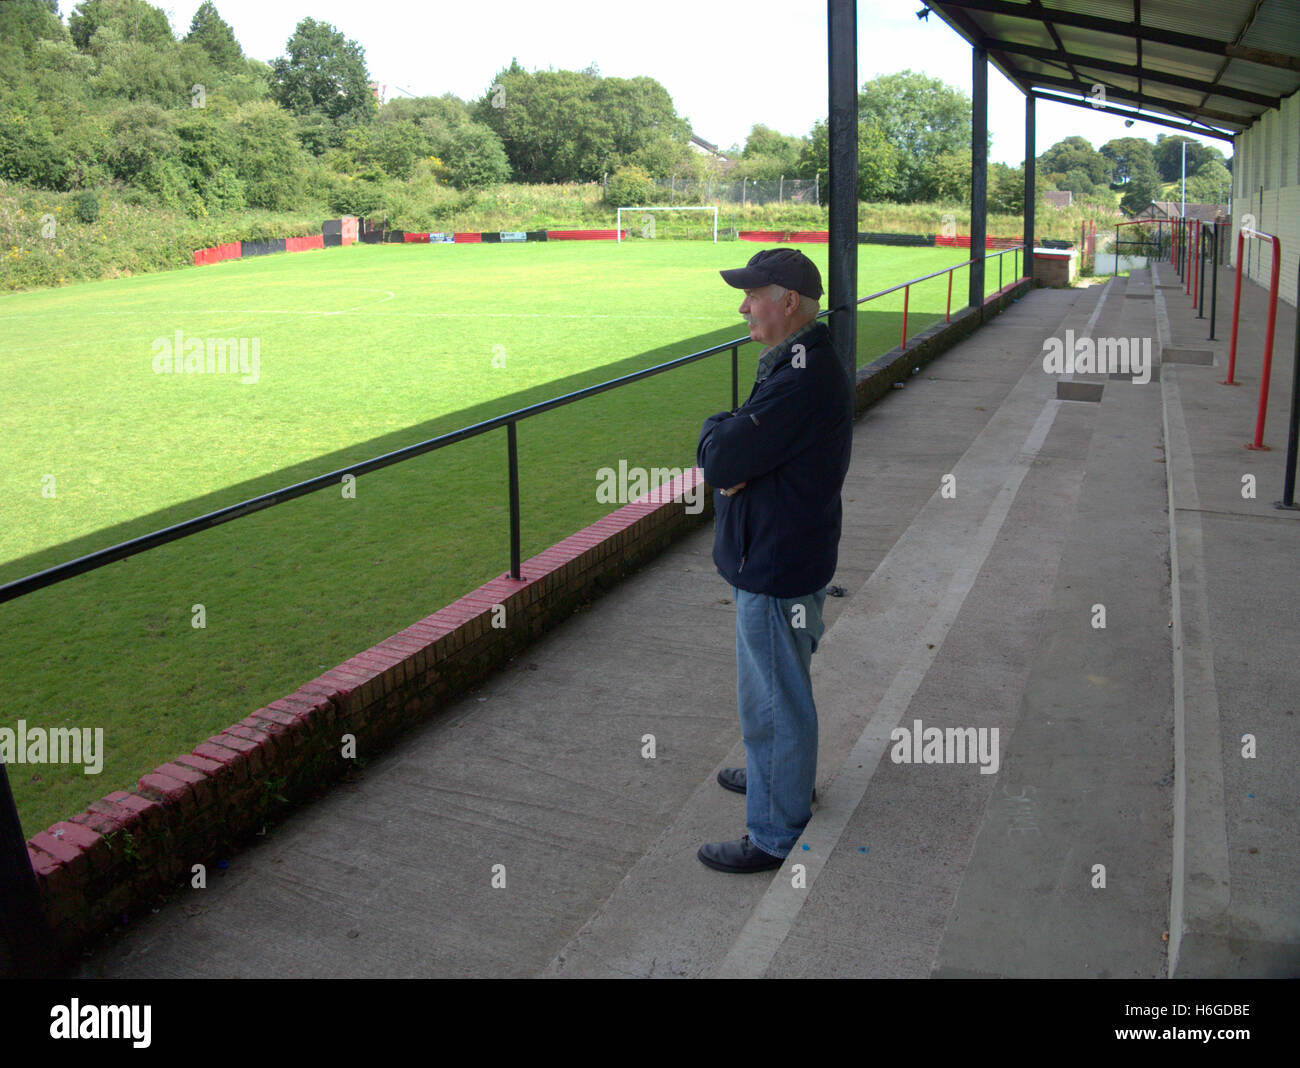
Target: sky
727,65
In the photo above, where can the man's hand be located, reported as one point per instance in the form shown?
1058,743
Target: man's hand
734,489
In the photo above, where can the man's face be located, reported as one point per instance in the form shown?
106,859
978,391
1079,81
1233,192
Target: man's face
767,318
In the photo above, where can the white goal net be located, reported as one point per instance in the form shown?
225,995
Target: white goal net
658,221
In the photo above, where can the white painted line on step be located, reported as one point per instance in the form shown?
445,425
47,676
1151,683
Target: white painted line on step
774,916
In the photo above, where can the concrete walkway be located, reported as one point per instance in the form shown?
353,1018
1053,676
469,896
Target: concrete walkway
990,529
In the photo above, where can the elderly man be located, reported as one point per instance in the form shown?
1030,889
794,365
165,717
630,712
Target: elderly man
777,464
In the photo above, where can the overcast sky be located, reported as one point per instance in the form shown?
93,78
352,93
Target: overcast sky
727,65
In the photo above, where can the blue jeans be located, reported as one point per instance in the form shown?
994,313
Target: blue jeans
775,640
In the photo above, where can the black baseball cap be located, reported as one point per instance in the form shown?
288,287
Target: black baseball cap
786,267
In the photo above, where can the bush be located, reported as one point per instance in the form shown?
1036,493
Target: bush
475,157
86,205
358,197
629,186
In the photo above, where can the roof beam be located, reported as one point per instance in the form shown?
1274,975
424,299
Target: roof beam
1124,29
1056,37
1199,86
1139,116
1230,118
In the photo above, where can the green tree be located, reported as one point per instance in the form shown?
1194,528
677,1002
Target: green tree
766,142
920,118
134,70
30,151
1142,185
562,126
213,34
1168,156
1006,189
140,137
629,186
1210,184
323,79
129,20
24,22
878,170
270,162
1078,182
1075,154
950,175
1128,156
208,154
476,157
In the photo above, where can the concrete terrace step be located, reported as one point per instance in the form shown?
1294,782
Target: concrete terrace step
970,609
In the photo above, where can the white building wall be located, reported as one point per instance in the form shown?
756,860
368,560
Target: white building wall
1266,184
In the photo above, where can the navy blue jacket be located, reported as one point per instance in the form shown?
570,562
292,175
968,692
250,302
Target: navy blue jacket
790,443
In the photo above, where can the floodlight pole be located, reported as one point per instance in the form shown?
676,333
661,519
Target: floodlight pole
1184,211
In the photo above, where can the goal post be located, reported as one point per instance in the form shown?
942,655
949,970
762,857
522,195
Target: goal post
631,212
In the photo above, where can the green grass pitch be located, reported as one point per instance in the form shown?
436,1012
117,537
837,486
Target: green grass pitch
360,351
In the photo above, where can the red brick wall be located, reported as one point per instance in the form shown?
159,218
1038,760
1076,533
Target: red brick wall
129,849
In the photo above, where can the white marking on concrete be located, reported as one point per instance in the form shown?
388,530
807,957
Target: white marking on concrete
1096,312
774,916
1196,700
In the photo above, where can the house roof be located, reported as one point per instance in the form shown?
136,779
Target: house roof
1173,209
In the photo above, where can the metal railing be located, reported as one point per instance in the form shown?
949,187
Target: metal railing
102,557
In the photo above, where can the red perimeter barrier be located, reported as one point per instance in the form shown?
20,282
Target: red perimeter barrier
474,238
231,249
580,235
416,238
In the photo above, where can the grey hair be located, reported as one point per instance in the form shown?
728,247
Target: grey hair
808,306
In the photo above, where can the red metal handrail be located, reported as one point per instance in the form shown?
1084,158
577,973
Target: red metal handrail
906,287
1274,279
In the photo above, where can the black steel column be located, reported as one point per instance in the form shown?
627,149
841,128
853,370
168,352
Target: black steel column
979,162
842,284
26,945
1031,169
1293,432
1214,281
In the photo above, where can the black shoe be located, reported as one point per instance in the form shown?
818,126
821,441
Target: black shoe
736,779
740,856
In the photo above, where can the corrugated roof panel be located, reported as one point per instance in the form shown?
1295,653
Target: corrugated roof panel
1275,27
1219,19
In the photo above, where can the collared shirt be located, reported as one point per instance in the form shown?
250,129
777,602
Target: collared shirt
768,358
